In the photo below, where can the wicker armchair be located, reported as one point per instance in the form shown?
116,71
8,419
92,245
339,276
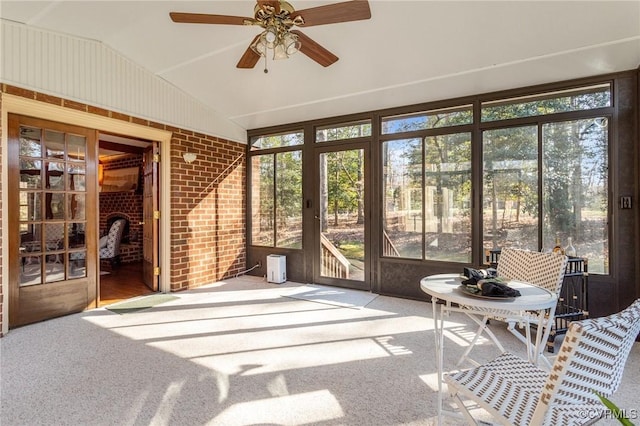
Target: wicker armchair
544,270
591,359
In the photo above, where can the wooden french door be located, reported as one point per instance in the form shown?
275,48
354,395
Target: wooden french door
150,219
341,254
52,219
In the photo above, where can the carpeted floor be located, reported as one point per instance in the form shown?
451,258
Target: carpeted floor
335,296
139,303
238,352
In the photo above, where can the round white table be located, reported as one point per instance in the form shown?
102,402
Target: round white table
446,288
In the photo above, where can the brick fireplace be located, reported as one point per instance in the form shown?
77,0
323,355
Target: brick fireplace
126,205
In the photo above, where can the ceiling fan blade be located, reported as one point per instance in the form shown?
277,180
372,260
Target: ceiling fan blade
314,50
203,18
354,10
250,57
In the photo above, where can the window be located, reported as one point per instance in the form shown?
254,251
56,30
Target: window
510,188
345,131
549,179
575,186
402,198
428,120
581,99
276,199
278,140
447,196
428,216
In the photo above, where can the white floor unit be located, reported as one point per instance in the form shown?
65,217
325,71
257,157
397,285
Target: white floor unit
276,268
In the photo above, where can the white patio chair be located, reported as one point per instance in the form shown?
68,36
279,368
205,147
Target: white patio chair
544,270
591,359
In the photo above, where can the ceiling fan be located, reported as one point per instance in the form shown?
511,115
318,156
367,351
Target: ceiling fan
277,18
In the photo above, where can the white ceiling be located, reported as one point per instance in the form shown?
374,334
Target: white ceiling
408,52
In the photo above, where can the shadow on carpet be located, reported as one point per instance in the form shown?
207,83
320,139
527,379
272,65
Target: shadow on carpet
140,303
346,298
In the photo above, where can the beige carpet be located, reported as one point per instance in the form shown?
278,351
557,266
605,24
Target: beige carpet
239,353
335,296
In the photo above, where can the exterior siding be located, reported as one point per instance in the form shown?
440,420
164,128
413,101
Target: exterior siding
87,71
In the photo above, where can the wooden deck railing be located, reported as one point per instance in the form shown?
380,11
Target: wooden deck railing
388,249
333,263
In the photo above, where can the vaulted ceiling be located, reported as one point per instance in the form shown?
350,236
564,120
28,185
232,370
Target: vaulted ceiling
408,52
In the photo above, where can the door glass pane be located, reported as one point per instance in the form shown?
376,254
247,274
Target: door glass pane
30,237
30,206
510,188
289,199
342,216
55,268
30,270
54,144
76,147
402,198
30,142
54,236
30,174
575,188
54,205
54,178
447,197
75,235
76,206
77,177
77,264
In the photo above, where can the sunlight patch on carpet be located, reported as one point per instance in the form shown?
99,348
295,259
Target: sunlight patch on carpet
140,303
346,298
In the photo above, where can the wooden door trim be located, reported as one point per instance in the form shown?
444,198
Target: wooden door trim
12,104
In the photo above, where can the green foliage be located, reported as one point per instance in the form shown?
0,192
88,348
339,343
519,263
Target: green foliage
352,249
615,411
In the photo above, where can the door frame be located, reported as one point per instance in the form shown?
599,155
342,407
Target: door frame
150,195
12,104
367,283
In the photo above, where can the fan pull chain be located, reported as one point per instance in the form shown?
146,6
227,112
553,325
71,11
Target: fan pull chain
265,64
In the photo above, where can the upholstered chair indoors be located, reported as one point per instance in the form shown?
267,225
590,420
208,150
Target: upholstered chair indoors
110,244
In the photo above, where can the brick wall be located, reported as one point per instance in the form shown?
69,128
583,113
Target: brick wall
208,209
127,204
207,241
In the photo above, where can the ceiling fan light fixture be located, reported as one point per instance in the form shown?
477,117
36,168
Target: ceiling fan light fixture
259,46
291,43
279,52
270,36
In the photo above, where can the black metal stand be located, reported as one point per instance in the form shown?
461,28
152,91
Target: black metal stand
573,301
